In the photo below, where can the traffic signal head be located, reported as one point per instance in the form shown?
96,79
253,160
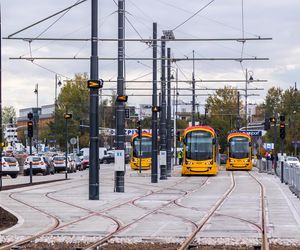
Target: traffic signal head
30,129
282,118
267,124
67,116
273,120
30,116
178,135
282,130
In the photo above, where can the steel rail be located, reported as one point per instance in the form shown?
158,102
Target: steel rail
265,242
212,211
152,211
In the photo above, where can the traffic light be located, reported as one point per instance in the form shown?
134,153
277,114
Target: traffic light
178,135
282,130
67,116
30,116
267,124
30,129
273,120
282,118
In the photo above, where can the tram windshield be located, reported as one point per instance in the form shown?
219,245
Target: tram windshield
199,145
146,147
239,147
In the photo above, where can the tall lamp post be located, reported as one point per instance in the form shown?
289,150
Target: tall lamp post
250,79
67,117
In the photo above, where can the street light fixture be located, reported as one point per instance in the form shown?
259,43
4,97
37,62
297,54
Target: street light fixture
250,79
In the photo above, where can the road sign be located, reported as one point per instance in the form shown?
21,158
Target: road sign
295,141
163,157
268,146
73,141
254,133
51,141
119,160
259,141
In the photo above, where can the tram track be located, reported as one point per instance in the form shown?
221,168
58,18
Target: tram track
189,241
92,213
265,242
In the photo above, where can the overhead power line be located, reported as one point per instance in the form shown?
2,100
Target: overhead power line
238,59
53,15
139,39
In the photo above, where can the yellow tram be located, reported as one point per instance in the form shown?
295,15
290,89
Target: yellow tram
239,151
200,151
141,151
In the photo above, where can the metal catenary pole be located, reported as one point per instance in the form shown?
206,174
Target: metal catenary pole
162,118
94,113
275,143
1,138
66,153
120,111
238,112
176,111
193,91
154,176
169,125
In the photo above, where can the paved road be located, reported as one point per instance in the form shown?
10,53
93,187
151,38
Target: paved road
168,211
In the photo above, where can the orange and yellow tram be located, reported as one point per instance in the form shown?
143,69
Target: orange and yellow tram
239,151
200,151
141,150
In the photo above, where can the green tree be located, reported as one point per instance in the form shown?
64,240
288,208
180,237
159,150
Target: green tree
222,108
74,99
8,112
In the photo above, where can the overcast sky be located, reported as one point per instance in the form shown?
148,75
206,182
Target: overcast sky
221,19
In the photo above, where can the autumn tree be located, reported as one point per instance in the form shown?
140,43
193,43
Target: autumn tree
223,112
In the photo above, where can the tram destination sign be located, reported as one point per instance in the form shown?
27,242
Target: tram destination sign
254,133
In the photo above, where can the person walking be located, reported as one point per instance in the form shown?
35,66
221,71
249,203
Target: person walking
180,157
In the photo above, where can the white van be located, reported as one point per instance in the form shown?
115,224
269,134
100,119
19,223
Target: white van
86,152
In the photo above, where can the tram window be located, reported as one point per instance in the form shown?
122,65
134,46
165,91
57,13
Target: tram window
199,145
146,147
239,147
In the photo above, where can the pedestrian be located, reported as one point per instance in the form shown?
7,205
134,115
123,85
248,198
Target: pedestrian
180,157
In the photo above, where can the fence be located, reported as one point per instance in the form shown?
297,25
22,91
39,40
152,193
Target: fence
291,173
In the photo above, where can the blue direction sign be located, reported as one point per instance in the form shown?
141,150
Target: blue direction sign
295,141
254,133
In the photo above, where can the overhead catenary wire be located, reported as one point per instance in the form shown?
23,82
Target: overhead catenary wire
44,19
197,12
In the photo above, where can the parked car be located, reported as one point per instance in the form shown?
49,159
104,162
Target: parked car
38,165
10,166
292,161
85,163
60,164
223,158
49,162
110,158
77,162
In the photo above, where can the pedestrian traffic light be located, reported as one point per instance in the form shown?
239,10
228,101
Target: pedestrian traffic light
178,135
267,124
273,120
282,130
30,129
